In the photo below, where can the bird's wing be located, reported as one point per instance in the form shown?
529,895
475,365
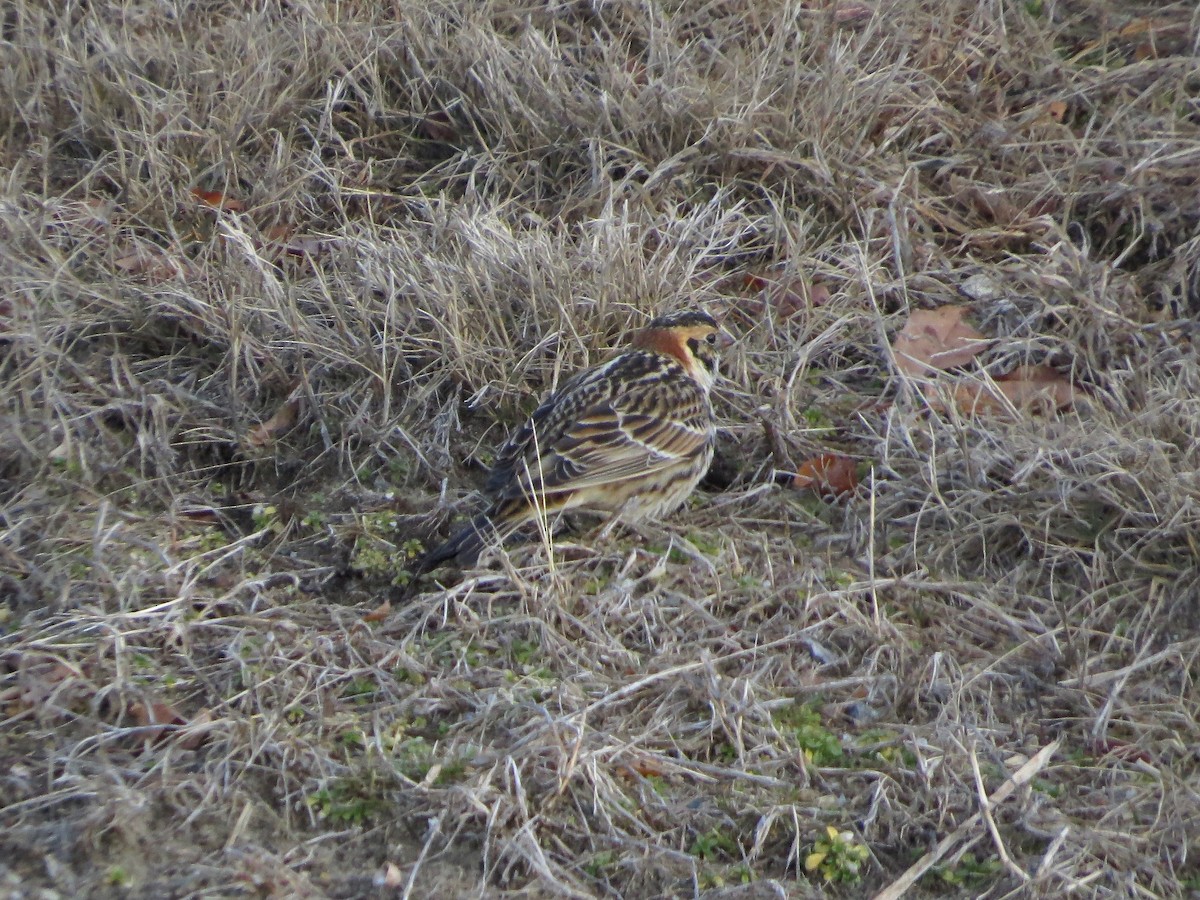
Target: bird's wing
545,427
651,424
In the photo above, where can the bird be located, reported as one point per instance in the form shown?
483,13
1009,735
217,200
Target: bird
630,438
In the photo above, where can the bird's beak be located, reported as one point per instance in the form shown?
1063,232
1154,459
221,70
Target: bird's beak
724,339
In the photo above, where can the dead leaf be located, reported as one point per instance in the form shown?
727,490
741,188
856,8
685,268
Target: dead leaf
1122,750
92,215
390,877
786,295
644,766
1034,389
283,238
990,204
195,732
438,126
936,339
379,613
852,12
306,245
1057,110
8,316
218,200
279,233
280,422
754,283
43,680
1135,27
154,717
827,475
795,294
981,287
153,264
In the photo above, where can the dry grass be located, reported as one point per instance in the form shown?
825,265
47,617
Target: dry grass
226,429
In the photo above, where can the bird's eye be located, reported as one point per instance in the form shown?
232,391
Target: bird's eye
712,337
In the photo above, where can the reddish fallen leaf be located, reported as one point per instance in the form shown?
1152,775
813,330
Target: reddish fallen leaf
218,200
786,296
852,12
1120,750
646,767
153,264
1135,27
279,233
379,613
1057,110
1034,389
158,720
195,732
438,126
993,204
204,514
827,475
41,680
154,717
936,339
280,422
791,296
635,69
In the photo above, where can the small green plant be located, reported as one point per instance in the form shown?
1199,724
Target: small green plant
360,690
407,676
344,803
414,758
712,842
349,801
742,874
600,863
211,539
378,559
821,748
709,545
452,771
877,745
838,856
970,870
265,517
816,418
712,879
1049,788
525,652
116,876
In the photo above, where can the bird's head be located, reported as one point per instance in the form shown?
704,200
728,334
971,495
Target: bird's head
692,337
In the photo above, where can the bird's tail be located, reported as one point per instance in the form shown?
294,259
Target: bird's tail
463,547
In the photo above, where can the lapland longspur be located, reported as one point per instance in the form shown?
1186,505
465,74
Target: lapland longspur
630,437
